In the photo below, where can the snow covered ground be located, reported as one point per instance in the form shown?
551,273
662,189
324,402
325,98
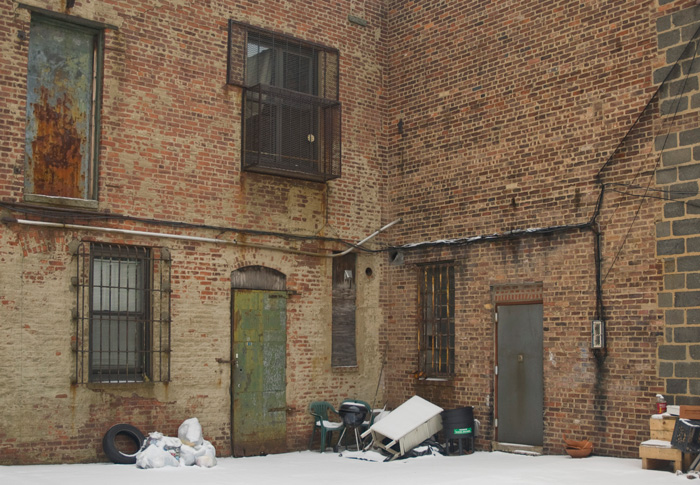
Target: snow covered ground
307,467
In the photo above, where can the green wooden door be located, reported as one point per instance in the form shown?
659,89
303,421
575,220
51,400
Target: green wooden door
259,376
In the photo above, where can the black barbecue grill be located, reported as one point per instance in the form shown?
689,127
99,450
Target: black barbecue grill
353,415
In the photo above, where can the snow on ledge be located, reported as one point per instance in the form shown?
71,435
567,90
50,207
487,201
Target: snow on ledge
657,443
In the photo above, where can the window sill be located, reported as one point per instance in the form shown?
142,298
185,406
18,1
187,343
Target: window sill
61,201
436,381
119,385
345,369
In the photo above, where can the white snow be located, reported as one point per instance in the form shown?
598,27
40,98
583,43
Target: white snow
690,424
657,443
303,468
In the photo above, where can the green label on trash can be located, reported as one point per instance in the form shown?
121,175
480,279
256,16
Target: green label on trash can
462,431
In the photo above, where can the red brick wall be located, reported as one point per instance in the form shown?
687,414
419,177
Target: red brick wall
170,152
508,111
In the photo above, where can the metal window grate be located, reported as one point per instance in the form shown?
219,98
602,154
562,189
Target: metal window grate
291,134
436,339
291,112
122,318
259,56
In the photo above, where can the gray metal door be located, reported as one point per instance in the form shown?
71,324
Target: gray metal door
520,381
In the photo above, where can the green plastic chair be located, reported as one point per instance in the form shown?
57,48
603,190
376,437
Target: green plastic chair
319,411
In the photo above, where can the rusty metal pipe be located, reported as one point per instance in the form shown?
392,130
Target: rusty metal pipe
81,227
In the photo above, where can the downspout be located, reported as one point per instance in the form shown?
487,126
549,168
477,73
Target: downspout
600,395
595,228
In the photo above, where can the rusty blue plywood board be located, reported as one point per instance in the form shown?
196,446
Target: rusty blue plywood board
60,92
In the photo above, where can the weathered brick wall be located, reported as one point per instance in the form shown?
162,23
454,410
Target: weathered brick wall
463,118
678,231
170,151
501,116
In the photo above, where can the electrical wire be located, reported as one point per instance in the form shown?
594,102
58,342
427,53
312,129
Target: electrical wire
657,197
654,96
647,189
514,234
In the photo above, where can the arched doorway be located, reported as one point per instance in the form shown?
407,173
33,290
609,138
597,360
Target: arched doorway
258,368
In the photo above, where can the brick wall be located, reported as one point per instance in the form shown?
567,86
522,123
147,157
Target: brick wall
464,119
512,116
170,153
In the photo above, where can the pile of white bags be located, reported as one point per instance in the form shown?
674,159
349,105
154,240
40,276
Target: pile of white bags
189,448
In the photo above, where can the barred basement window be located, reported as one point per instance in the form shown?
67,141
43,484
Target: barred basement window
436,339
291,112
123,314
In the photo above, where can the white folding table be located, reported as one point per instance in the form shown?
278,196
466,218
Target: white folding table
406,427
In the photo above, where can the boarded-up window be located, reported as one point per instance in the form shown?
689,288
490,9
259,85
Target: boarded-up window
63,84
437,324
344,353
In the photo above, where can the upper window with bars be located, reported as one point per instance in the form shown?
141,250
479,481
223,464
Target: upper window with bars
123,314
291,112
437,320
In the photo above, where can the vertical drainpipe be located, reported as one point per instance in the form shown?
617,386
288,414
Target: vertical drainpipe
600,394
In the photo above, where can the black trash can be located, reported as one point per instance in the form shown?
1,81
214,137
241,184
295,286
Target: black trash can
458,428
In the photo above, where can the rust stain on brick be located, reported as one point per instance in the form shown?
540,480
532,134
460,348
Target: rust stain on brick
56,149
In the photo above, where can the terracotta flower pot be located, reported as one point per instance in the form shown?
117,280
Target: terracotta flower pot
579,452
577,444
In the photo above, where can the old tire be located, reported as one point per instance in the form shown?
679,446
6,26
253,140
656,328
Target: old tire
110,448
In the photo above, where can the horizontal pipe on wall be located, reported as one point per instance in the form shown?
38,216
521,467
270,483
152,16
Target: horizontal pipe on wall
82,227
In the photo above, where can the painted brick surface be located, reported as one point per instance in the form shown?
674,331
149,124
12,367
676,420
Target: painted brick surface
170,153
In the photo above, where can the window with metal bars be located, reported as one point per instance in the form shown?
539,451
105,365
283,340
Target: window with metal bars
291,112
123,314
436,338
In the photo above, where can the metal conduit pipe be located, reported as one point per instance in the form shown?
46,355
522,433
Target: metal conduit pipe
81,227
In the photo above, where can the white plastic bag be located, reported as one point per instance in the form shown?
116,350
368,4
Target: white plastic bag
206,455
153,456
190,432
203,455
206,461
188,455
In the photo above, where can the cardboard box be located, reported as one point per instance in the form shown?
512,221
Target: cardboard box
690,412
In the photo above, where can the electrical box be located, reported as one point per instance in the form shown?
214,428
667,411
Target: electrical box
597,334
